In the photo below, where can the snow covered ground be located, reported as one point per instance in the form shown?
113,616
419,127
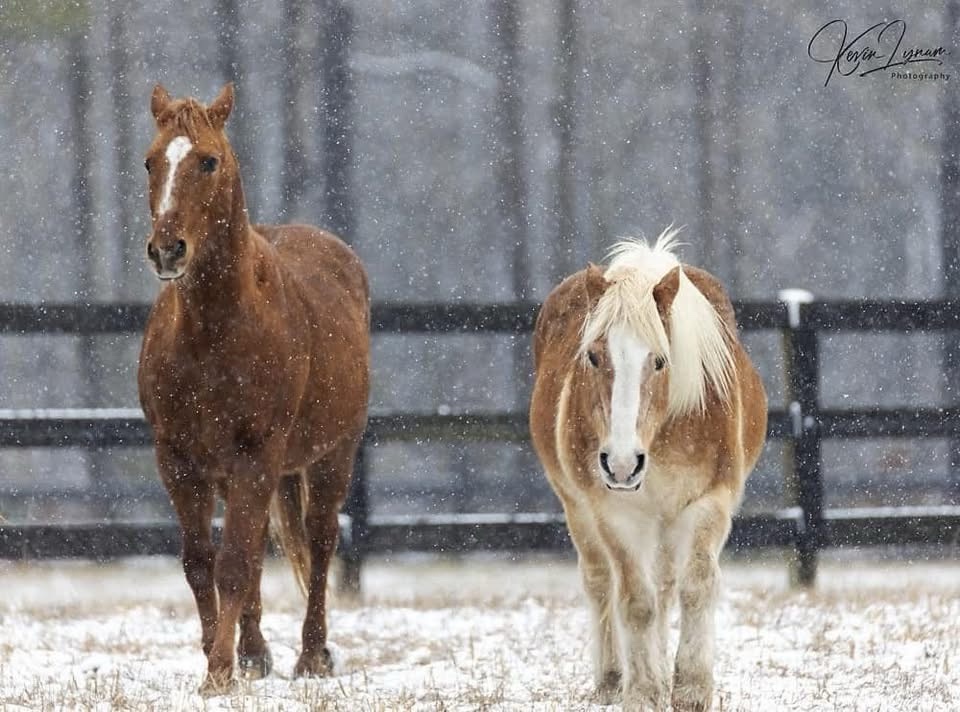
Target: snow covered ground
477,634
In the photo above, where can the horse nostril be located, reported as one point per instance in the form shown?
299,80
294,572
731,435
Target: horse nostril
641,458
180,249
604,463
152,251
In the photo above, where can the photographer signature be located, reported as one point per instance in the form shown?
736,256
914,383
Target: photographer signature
877,43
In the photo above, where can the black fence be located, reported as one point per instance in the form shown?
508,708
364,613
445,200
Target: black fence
806,526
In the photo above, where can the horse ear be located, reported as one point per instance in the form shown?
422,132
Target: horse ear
220,108
159,101
596,284
666,290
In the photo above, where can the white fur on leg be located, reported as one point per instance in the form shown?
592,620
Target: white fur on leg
636,610
597,585
700,532
693,674
606,665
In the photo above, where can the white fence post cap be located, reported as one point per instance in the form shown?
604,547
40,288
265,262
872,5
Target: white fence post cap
793,298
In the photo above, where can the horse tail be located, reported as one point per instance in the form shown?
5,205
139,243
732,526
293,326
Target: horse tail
287,510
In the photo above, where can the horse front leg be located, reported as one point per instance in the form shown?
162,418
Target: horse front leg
248,499
253,653
701,529
193,500
633,560
597,582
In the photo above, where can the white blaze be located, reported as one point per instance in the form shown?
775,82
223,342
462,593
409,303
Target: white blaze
628,356
177,150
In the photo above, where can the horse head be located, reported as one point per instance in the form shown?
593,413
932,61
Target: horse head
625,371
193,179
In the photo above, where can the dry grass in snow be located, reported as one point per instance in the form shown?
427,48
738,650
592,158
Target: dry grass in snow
480,634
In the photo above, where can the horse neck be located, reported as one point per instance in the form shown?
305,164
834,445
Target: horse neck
224,281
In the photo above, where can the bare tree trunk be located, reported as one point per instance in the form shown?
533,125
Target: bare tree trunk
736,98
703,125
231,68
129,244
80,189
337,99
294,171
565,117
713,138
512,197
950,238
79,91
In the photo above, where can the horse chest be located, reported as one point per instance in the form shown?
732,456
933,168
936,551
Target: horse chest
220,406
671,488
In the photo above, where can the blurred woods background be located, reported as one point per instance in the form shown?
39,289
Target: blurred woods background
479,152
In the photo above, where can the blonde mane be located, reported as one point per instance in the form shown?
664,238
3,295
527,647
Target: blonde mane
698,349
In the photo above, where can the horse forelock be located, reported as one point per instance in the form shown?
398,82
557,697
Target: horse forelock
697,343
627,302
188,117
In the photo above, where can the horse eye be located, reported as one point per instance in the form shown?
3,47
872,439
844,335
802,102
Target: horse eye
659,362
147,165
592,356
208,164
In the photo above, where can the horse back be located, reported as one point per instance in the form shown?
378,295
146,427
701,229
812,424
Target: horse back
557,331
323,264
330,284
711,287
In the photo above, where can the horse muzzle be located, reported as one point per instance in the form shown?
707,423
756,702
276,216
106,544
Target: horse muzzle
624,473
169,261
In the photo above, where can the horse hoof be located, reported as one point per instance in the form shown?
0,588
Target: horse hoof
216,685
635,700
318,664
692,693
690,702
255,667
609,690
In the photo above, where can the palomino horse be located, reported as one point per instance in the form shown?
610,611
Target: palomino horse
647,415
254,376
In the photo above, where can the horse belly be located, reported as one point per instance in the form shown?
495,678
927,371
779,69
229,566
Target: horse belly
332,406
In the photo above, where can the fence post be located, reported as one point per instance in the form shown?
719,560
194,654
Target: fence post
357,508
804,476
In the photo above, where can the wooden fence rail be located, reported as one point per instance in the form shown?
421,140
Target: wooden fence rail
806,525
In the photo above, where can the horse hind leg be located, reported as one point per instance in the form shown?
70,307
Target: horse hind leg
328,481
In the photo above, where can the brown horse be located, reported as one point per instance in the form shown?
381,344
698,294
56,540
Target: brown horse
648,416
254,377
